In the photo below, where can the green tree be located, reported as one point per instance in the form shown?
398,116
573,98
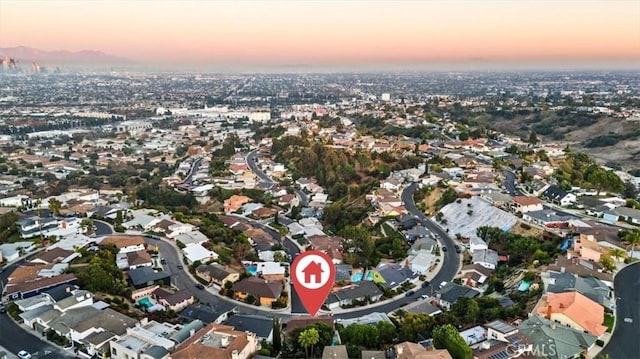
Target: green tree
533,138
413,325
607,263
54,206
631,239
617,253
447,337
472,312
87,225
307,339
630,190
277,336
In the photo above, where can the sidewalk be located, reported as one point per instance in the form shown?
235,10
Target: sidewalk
286,310
5,354
429,276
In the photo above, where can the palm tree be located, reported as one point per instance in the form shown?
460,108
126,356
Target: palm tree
617,253
54,206
632,239
309,338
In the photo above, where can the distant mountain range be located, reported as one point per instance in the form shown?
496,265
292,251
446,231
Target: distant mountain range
26,54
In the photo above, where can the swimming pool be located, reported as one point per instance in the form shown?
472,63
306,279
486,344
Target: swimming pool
145,302
356,277
524,286
253,270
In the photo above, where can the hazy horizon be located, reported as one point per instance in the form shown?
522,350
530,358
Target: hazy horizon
335,35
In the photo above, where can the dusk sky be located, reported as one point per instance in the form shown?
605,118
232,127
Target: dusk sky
328,32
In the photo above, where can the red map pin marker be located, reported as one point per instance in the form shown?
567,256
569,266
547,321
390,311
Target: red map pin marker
313,276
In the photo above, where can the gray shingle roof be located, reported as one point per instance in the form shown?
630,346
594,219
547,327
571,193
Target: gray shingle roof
565,341
260,325
362,289
452,291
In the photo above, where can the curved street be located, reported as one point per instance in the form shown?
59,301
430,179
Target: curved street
14,337
624,341
23,339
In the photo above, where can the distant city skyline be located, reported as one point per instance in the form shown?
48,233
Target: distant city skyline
330,33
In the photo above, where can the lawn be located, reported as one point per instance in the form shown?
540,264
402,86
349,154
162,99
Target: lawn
608,322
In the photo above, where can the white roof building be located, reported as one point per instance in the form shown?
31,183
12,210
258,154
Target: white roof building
196,252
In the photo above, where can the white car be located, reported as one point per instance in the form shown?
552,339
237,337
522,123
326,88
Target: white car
23,354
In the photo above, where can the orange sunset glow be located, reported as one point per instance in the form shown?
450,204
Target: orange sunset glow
321,32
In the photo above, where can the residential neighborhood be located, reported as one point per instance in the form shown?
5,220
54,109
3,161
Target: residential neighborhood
171,233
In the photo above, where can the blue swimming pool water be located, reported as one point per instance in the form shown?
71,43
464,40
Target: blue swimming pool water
145,302
524,286
253,270
356,277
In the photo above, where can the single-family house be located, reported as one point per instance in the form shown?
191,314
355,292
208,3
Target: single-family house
591,287
623,214
565,341
270,270
217,274
451,292
524,204
487,258
392,184
175,301
267,291
125,243
148,340
474,275
146,276
574,310
139,259
261,326
420,262
557,195
358,292
477,244
52,256
395,274
217,341
330,245
196,252
408,350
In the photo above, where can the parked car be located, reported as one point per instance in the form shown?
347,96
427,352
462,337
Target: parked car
444,248
410,293
2,308
180,266
425,284
23,354
163,261
458,249
199,286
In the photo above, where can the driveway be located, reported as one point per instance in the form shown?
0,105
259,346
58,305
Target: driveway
624,342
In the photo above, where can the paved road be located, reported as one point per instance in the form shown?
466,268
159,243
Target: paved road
510,184
251,162
15,338
194,168
102,228
624,343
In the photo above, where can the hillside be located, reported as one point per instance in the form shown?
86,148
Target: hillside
607,139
